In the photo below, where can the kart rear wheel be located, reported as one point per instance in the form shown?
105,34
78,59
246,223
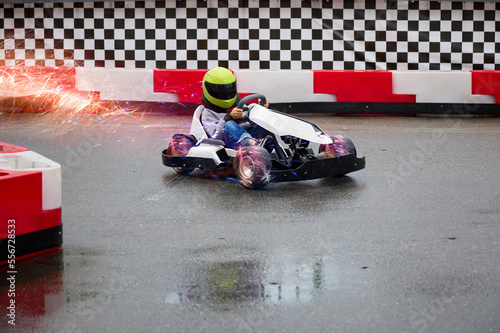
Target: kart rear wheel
252,166
341,146
180,144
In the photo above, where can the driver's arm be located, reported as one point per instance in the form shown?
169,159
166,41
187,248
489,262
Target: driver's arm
267,103
236,114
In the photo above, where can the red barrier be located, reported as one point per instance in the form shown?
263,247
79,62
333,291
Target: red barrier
42,89
30,79
10,148
25,227
358,86
21,198
185,82
486,83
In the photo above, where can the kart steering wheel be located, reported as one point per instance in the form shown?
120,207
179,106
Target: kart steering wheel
248,98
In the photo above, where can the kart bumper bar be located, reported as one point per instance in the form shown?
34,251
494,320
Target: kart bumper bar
191,162
320,168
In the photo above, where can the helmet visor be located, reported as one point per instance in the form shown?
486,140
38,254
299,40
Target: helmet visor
221,91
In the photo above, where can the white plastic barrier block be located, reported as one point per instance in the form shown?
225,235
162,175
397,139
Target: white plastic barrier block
438,87
281,86
51,174
121,85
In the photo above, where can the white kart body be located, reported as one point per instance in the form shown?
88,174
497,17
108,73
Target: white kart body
205,150
209,150
279,124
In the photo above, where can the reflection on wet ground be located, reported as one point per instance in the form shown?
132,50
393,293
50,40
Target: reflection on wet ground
38,289
225,285
42,293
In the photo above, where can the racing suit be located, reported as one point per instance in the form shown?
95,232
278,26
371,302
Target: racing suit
218,124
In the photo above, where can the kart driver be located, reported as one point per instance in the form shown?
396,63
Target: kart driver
220,118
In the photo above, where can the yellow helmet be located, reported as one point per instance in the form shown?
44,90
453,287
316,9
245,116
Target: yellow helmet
219,87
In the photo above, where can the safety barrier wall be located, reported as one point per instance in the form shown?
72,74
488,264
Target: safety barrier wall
184,85
292,50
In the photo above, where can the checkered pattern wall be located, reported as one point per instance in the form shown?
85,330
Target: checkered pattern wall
253,34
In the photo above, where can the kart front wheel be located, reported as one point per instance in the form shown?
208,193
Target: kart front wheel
180,144
252,166
341,146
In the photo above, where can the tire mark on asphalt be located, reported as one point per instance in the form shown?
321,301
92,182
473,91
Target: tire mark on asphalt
160,191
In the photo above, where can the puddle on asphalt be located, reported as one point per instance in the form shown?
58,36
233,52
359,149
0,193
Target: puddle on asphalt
224,285
49,287
37,289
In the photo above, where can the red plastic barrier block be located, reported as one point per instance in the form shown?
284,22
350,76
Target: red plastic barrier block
8,148
358,86
30,204
486,83
20,199
21,214
25,78
185,82
39,89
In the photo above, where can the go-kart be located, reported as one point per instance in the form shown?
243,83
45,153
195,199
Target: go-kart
295,149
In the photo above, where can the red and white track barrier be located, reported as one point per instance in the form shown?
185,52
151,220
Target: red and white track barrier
184,85
30,203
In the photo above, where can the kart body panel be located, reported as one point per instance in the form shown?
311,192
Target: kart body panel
281,124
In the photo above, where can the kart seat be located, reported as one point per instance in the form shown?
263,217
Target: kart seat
198,131
196,126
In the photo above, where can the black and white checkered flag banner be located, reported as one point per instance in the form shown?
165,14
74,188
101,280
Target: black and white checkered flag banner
251,34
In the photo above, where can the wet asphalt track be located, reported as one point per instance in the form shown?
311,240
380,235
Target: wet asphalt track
411,243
